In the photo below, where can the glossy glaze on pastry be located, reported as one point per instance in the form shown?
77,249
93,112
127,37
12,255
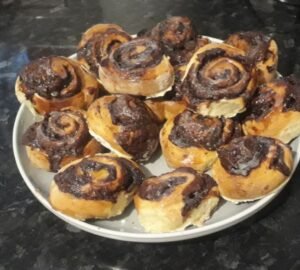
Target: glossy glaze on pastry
53,83
275,110
99,186
175,200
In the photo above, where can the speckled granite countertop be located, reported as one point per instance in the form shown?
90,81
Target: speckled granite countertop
33,238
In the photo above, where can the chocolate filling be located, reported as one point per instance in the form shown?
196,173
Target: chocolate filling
256,47
216,76
244,154
140,128
154,191
40,77
192,129
135,56
292,93
178,38
195,192
79,180
59,135
182,56
278,162
100,46
261,104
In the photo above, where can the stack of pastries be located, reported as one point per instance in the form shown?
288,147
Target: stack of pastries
218,111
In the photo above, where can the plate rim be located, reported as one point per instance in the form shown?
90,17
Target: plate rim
142,237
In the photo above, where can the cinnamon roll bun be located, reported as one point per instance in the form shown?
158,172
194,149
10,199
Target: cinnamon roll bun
261,49
125,125
275,110
137,67
251,167
52,83
100,186
61,137
98,42
191,140
219,81
179,40
175,200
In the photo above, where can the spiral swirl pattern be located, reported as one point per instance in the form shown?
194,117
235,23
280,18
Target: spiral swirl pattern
99,178
191,129
98,42
50,77
59,134
135,56
217,72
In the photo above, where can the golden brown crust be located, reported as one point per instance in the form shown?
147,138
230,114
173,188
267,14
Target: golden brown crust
178,38
100,186
261,49
125,125
166,109
58,139
257,170
218,81
98,42
275,110
175,200
191,140
147,73
52,83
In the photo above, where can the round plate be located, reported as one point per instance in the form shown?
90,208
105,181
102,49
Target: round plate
126,227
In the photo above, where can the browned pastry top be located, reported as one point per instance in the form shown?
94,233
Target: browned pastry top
196,191
178,38
157,188
292,93
182,56
99,178
134,57
139,125
261,104
50,77
59,134
191,129
269,98
244,154
218,74
174,32
256,44
100,45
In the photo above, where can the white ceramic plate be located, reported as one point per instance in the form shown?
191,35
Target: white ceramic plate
126,227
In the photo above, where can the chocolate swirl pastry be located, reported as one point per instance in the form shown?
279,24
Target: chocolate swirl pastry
137,67
275,110
191,139
98,42
61,137
52,83
262,51
173,33
219,81
125,125
252,167
179,40
177,37
175,200
99,186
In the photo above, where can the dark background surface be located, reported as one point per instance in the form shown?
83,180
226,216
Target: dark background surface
33,238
